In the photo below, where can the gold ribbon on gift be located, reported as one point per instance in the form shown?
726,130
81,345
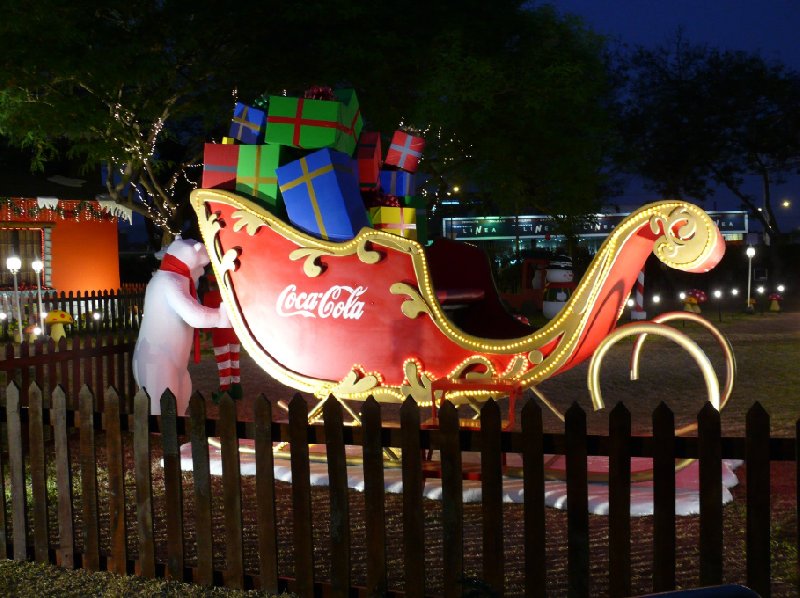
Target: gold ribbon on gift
256,180
243,122
402,225
306,178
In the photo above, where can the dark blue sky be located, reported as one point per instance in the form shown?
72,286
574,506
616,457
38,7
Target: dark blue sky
769,27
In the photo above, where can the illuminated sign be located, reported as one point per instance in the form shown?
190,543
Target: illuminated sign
544,227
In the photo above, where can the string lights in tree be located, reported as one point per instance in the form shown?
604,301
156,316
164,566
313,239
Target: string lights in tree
442,156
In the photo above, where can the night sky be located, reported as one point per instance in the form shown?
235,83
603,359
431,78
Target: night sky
769,27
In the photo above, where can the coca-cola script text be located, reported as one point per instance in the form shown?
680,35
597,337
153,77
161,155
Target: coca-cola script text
337,302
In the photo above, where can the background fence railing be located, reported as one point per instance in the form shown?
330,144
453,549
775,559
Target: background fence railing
96,361
135,444
95,312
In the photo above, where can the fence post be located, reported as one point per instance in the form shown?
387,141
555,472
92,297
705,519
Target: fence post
301,498
231,493
144,483
535,535
758,499
710,451
88,463
374,503
452,501
339,499
66,532
492,497
619,515
204,574
577,503
16,465
265,496
3,523
663,499
116,484
38,464
413,517
173,485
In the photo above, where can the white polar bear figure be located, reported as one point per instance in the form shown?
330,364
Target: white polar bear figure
171,315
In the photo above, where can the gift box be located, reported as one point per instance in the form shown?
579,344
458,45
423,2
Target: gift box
311,124
219,166
351,114
421,206
399,221
405,151
322,196
255,174
397,182
368,154
248,124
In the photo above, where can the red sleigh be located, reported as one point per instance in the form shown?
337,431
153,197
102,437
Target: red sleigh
380,315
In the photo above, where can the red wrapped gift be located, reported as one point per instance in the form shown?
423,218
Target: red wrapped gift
368,154
405,151
219,166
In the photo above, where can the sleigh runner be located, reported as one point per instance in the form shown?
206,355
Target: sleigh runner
379,315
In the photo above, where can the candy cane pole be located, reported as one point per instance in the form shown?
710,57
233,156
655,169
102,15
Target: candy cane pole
637,312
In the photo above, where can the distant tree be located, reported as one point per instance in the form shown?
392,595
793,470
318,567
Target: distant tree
141,84
695,118
528,100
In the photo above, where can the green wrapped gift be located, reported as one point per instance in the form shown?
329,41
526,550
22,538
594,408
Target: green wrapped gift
255,175
421,205
313,124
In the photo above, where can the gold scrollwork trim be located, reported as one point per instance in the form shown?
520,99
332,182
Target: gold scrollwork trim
366,255
248,221
354,383
516,367
415,304
310,267
419,383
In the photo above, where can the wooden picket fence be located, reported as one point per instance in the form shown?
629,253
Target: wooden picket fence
97,361
26,423
93,312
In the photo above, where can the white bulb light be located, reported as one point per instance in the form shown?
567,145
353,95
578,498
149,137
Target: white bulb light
13,263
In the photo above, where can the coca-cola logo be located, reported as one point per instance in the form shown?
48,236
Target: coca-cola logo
337,302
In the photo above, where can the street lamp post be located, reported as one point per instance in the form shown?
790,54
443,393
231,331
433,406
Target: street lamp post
718,298
750,252
38,266
13,263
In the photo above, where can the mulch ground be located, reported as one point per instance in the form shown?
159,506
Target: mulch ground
767,349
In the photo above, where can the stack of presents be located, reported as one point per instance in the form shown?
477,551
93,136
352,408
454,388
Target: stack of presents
308,160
